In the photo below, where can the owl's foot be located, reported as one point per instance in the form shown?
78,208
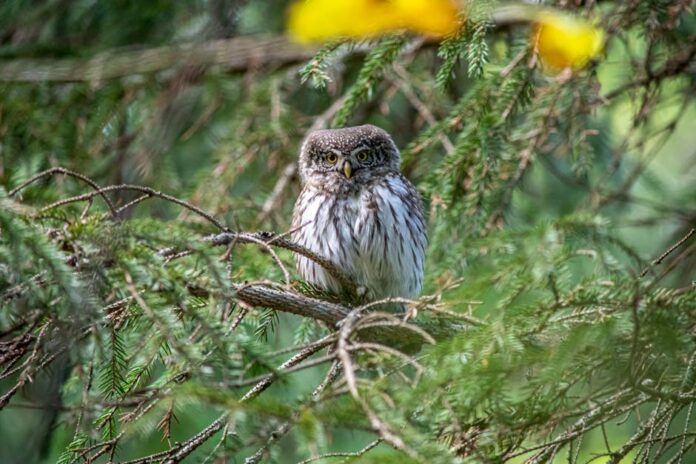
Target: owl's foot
410,312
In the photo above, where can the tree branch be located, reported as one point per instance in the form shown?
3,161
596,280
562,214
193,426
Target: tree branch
236,54
269,238
67,172
265,296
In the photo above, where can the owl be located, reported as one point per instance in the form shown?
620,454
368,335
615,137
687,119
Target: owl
358,210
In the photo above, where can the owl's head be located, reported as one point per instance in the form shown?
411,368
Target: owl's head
347,157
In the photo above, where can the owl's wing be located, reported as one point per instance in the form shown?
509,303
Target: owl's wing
392,235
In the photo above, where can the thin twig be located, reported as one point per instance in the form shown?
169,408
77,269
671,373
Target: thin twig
283,428
293,361
671,249
67,172
272,239
355,454
137,188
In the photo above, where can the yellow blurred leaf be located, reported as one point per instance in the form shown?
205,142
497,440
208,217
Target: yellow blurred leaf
565,41
322,20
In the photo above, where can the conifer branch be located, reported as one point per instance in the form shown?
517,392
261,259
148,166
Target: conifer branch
149,192
67,172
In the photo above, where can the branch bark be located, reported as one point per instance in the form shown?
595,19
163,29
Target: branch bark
257,295
408,337
236,54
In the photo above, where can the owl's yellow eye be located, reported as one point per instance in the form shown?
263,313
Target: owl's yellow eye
362,156
331,158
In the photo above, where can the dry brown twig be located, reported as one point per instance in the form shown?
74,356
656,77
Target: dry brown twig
180,451
67,172
272,239
137,188
657,261
356,454
343,348
284,428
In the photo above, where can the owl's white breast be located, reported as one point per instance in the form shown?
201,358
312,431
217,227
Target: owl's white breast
377,235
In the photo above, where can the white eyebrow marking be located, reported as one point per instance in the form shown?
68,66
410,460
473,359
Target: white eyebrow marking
358,150
336,151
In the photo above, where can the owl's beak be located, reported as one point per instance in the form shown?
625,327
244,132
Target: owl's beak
347,169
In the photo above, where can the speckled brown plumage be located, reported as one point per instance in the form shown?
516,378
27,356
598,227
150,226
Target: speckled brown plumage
357,209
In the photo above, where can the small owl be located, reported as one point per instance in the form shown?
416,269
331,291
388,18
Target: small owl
357,209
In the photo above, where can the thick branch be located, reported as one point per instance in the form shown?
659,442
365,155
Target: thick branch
406,336
236,54
261,295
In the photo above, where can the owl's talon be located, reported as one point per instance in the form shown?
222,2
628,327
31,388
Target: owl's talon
411,313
